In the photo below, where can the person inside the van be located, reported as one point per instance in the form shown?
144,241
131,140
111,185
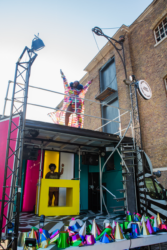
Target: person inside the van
54,191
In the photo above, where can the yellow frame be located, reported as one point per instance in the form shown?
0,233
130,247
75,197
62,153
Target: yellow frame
72,197
50,157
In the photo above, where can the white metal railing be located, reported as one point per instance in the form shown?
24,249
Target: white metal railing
108,121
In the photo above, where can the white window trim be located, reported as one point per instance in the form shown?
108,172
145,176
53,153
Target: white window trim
159,41
160,169
165,81
159,32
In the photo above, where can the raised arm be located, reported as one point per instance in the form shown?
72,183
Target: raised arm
87,85
64,79
62,169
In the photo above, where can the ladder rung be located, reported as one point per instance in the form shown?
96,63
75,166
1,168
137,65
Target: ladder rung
126,174
139,175
121,190
119,210
118,207
129,165
120,199
128,158
128,151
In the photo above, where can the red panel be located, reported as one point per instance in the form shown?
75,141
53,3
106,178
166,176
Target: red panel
4,124
30,186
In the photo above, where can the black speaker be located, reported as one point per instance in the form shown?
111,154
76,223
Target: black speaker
30,242
30,154
90,159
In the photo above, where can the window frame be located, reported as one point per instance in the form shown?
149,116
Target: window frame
157,27
103,68
165,83
156,191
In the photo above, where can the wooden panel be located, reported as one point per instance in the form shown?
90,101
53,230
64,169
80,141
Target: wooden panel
104,94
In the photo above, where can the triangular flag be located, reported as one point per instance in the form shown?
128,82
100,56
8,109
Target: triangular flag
98,230
155,226
118,233
106,223
82,231
143,218
148,224
113,224
159,220
32,234
106,238
94,229
144,229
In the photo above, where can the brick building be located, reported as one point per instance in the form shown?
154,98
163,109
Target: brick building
146,57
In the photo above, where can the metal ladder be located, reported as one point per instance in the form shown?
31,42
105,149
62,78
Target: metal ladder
128,154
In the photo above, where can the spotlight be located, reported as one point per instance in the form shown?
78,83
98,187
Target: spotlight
10,228
157,174
37,44
41,221
34,133
132,78
102,153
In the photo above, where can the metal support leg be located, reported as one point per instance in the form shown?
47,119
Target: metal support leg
75,105
39,181
6,97
22,71
79,168
101,209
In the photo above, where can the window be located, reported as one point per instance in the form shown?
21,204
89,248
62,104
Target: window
108,79
161,30
150,185
108,76
165,81
155,191
160,194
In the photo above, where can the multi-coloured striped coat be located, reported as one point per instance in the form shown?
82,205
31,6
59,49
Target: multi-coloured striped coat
75,98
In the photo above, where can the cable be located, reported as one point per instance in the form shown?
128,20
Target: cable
97,45
110,28
103,58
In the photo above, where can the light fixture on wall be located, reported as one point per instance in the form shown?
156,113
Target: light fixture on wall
33,132
132,78
157,174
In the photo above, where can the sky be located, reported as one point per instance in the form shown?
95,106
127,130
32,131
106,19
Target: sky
65,28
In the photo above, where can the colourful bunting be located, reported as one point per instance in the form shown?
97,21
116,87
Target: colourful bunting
106,238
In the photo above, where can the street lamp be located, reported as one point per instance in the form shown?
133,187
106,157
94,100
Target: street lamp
37,44
120,42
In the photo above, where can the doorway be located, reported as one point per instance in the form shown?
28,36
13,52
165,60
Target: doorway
93,191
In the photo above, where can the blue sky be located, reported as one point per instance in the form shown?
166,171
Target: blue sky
65,27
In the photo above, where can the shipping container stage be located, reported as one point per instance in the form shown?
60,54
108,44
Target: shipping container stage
67,144
61,144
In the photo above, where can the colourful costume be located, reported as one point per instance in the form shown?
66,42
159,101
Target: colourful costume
76,120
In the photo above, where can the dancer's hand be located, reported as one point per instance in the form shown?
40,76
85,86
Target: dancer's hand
61,72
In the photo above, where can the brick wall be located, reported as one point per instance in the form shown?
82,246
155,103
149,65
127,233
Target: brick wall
123,90
150,63
163,179
147,62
